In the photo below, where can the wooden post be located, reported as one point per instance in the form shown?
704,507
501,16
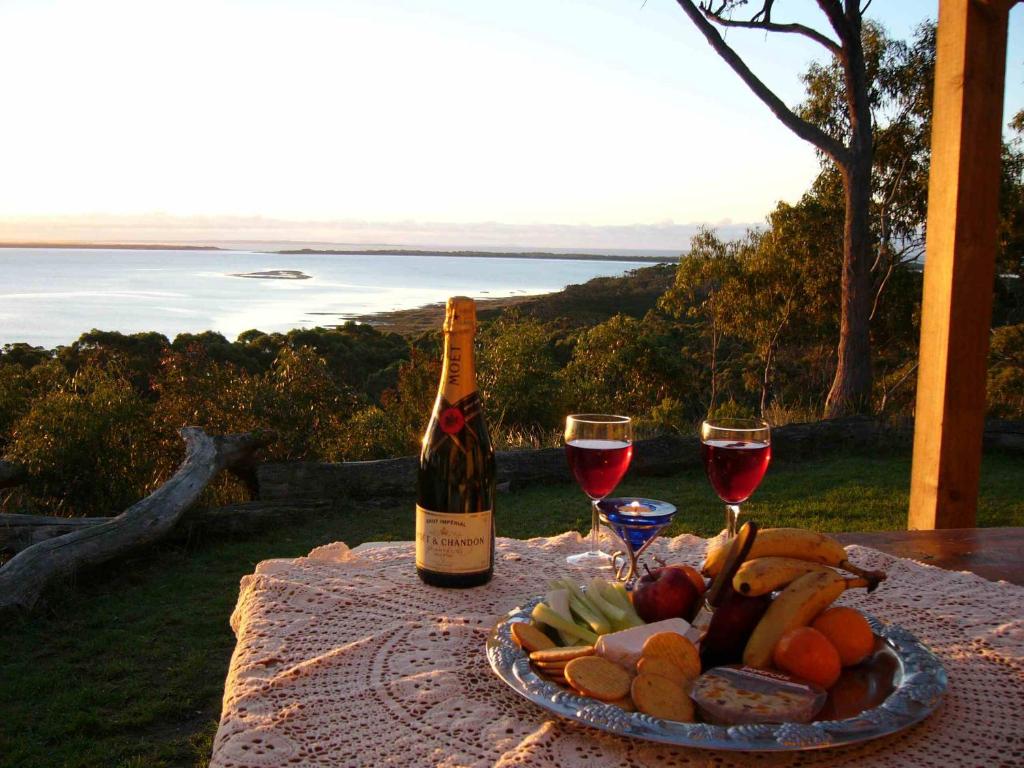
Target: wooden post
963,200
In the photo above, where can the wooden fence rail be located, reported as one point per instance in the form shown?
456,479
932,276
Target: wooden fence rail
284,491
662,455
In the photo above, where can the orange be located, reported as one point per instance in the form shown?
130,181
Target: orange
849,632
805,652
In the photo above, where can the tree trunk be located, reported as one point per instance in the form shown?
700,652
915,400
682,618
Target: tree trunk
27,574
715,339
766,380
851,388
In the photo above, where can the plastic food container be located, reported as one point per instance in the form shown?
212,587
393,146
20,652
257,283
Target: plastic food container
735,695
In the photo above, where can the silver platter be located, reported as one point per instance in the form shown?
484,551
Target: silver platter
917,682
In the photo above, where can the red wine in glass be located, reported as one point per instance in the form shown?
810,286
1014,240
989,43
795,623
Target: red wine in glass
598,465
598,448
736,453
735,467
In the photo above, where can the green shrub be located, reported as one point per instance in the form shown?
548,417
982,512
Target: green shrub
371,433
730,409
1006,372
15,396
671,415
628,366
304,405
518,376
88,444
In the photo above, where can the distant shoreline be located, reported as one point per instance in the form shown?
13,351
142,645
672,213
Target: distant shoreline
481,254
642,259
408,322
636,291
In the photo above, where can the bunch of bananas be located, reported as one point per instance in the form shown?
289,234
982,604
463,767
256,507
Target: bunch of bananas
801,565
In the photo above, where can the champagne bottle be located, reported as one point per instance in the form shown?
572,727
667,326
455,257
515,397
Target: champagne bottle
455,488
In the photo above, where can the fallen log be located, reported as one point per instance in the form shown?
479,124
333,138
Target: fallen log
25,576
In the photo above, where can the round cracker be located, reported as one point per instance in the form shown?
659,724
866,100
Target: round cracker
598,678
550,666
677,649
554,677
568,653
529,637
659,665
658,696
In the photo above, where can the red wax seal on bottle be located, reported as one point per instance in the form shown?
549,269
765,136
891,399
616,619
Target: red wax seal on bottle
452,421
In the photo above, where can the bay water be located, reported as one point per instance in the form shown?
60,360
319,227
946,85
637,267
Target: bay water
50,296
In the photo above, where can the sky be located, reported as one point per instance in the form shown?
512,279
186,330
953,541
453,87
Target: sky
449,122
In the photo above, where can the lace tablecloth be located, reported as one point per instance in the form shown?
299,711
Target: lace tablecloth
344,658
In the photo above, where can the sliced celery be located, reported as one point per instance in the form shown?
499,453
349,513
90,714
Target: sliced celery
542,614
596,621
596,598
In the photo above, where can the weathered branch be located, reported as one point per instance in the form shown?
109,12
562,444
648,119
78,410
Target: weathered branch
24,578
805,130
11,474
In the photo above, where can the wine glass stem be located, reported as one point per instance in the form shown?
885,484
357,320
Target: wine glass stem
732,516
595,522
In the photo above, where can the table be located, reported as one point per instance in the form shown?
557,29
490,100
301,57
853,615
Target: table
995,553
344,658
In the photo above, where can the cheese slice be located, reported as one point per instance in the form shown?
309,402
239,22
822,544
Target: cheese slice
624,647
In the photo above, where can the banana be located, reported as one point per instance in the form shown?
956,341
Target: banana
796,606
715,557
767,574
792,542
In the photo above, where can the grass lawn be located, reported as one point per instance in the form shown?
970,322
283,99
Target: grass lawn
126,667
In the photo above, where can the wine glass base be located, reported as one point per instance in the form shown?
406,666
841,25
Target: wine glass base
590,560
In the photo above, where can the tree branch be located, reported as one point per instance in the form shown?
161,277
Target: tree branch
881,287
805,130
893,388
799,29
765,12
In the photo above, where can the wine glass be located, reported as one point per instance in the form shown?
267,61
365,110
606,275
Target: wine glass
599,448
736,453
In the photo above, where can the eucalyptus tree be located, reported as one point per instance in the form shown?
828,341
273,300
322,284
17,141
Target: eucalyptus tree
851,152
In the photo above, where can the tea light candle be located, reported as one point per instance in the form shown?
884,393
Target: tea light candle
635,508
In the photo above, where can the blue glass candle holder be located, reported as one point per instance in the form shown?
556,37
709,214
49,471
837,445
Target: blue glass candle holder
635,523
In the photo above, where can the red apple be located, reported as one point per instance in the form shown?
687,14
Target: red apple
665,593
694,576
